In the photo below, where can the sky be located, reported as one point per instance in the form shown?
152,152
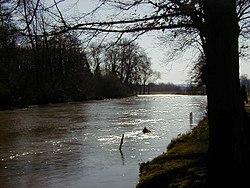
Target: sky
177,72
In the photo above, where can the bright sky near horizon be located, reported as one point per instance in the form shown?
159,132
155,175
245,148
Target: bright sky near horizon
176,72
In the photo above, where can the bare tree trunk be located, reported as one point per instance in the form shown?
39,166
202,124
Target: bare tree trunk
225,112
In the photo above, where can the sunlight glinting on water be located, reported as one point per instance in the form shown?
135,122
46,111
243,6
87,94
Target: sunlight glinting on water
77,144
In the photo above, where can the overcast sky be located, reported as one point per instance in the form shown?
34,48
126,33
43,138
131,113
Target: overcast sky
176,72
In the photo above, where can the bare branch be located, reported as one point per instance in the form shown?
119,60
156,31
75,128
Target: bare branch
12,10
60,13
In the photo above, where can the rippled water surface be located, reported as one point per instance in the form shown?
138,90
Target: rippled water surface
76,145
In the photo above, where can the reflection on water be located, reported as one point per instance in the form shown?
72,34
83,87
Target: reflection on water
77,144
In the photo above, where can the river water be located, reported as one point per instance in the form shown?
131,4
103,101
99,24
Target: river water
76,145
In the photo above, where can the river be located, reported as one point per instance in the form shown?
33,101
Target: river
76,145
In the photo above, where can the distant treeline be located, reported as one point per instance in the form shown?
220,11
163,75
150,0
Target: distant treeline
190,89
41,70
176,89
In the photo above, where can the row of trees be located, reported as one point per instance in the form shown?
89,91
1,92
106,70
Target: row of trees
165,88
39,69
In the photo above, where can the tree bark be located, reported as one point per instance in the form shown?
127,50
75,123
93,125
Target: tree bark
225,111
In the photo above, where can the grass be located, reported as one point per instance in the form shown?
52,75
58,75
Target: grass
182,165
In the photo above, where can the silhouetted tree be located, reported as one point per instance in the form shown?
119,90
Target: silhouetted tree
37,68
123,64
10,68
225,110
198,72
129,62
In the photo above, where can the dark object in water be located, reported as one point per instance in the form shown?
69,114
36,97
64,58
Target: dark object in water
145,130
121,142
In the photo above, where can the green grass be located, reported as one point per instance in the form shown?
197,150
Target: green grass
182,165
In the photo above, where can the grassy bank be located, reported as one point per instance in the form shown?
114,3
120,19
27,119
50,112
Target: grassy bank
183,165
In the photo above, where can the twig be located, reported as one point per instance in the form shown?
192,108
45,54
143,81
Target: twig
121,142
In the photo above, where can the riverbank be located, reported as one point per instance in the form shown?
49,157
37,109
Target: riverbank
28,105
183,165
